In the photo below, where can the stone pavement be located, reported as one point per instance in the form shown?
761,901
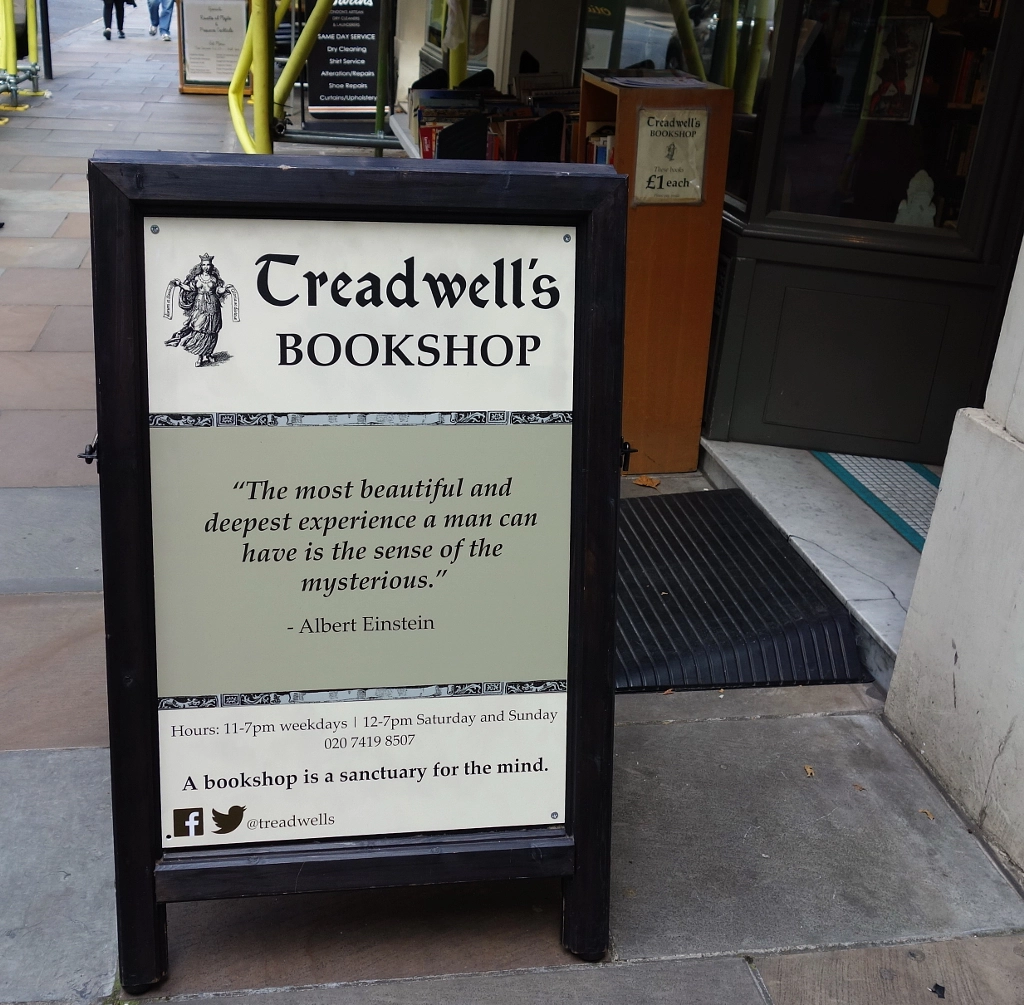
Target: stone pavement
740,878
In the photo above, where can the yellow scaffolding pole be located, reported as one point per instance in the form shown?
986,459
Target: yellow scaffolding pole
6,35
258,55
10,43
33,32
300,53
11,75
236,89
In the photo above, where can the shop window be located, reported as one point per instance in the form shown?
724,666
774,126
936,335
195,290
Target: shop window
755,34
884,108
479,27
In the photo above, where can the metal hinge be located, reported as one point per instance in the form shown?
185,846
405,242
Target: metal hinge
92,451
626,451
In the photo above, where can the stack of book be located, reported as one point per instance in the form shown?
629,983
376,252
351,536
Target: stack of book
971,80
600,142
431,111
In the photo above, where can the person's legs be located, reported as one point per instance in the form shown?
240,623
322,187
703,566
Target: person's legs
166,8
119,7
154,16
108,8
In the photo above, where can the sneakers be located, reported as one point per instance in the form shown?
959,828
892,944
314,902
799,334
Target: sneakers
106,34
152,29
166,36
120,34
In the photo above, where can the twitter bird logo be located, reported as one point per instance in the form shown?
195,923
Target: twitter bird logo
227,822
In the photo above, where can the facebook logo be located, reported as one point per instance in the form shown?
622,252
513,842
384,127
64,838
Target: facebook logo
188,823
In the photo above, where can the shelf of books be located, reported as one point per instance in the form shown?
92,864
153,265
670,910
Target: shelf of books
537,122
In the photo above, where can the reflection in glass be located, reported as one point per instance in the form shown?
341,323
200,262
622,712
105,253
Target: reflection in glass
884,106
479,27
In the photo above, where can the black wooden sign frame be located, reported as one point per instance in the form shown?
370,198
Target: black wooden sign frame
125,187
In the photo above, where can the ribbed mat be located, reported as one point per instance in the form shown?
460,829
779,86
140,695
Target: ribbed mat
711,594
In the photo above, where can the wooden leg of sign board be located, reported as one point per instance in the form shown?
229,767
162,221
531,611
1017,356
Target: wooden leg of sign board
128,591
586,894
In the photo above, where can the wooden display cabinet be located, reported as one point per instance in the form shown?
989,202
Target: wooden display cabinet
671,265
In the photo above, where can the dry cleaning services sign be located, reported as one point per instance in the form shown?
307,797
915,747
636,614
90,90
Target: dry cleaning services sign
360,439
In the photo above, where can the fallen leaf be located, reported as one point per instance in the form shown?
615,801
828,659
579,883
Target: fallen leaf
859,787
667,690
647,482
809,771
928,814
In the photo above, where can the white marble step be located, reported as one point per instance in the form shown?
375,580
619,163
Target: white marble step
863,560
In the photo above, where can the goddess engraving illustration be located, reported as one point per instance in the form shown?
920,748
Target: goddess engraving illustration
200,295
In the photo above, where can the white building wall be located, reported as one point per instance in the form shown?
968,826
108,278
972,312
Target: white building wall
957,693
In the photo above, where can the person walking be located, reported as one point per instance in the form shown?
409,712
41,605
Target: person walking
109,6
160,18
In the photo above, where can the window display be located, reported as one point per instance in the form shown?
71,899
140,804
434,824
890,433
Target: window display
884,109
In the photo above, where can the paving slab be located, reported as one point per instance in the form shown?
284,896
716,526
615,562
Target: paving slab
47,286
973,971
32,144
55,139
47,379
56,873
52,676
40,448
71,183
61,165
67,329
18,182
50,540
690,982
76,124
74,225
158,125
723,842
42,253
20,326
22,223
749,703
272,942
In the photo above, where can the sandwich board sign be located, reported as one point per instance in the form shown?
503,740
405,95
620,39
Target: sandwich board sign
359,447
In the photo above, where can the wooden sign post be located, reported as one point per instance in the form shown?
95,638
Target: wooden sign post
359,444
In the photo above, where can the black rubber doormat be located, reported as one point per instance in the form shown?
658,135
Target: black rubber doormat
711,594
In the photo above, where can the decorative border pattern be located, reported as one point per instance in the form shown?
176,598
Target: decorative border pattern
177,420
362,694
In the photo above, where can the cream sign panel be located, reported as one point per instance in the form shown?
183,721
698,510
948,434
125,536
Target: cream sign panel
362,316
360,446
670,153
